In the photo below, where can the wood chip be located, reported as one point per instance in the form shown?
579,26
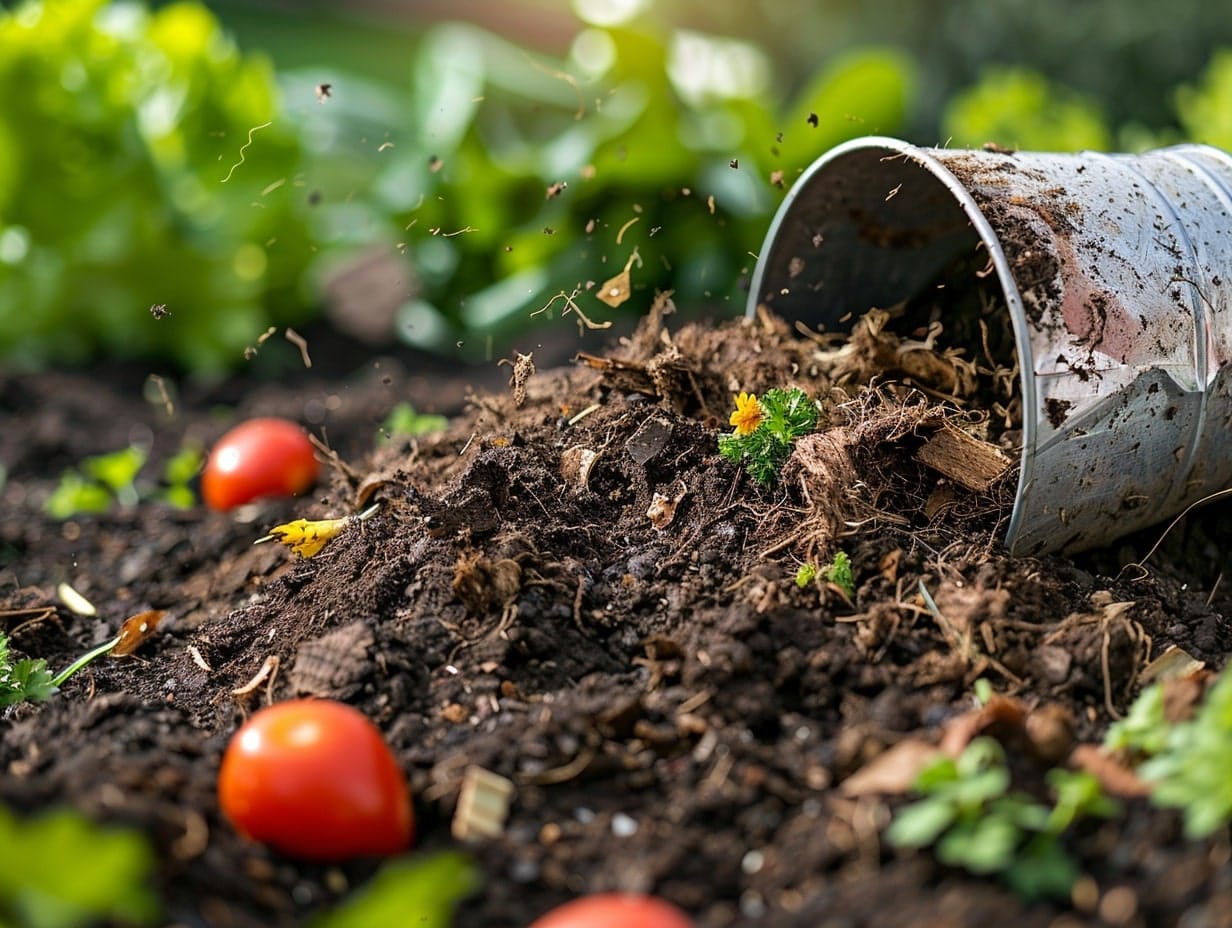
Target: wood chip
1173,664
483,805
963,458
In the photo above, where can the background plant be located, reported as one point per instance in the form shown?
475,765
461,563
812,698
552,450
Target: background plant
116,138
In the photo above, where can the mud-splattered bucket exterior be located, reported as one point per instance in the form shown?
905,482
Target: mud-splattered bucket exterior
1116,274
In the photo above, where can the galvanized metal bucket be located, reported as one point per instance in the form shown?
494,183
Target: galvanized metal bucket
1114,275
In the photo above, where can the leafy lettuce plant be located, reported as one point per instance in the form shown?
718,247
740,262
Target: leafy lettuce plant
149,205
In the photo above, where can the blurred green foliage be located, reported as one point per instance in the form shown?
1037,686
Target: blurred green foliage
144,160
508,180
1022,109
58,870
1205,108
116,137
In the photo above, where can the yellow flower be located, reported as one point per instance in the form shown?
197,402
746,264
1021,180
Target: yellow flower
748,414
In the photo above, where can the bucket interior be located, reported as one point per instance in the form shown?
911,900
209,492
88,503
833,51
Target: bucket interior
874,227
879,224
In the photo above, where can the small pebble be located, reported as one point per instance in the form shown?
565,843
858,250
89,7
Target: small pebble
623,826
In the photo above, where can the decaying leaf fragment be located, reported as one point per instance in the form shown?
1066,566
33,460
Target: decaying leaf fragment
306,537
135,630
523,369
615,290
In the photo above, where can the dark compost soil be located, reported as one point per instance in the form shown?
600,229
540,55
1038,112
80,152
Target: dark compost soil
677,714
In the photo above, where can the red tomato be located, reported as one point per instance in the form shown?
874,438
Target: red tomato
258,458
314,779
615,910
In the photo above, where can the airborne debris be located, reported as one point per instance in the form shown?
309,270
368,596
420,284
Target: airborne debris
616,290
324,91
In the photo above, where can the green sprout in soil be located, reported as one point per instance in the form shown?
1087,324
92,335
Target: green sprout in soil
975,821
58,870
765,429
30,680
806,574
107,479
839,573
24,679
1188,762
404,421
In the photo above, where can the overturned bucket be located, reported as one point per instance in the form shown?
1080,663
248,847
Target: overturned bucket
1113,281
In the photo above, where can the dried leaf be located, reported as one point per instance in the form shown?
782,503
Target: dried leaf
893,771
306,538
1116,778
135,630
616,290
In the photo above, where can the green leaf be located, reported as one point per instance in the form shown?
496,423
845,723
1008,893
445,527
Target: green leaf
58,870
403,420
74,495
921,823
182,466
417,890
27,679
1020,108
985,845
116,470
1144,730
839,573
1042,869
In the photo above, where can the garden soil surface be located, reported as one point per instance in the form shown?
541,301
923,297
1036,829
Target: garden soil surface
570,588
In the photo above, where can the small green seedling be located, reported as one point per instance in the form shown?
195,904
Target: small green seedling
30,679
840,574
404,422
974,821
765,429
58,870
178,474
27,679
430,887
1190,770
806,574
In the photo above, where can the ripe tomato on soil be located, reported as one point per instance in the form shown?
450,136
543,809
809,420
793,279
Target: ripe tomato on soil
614,910
258,458
314,779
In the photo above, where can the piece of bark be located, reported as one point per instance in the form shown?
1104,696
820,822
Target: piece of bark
963,458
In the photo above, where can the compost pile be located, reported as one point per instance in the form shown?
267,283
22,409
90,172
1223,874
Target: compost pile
570,588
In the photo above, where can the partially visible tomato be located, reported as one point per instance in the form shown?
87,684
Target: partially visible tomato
258,458
314,779
614,910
